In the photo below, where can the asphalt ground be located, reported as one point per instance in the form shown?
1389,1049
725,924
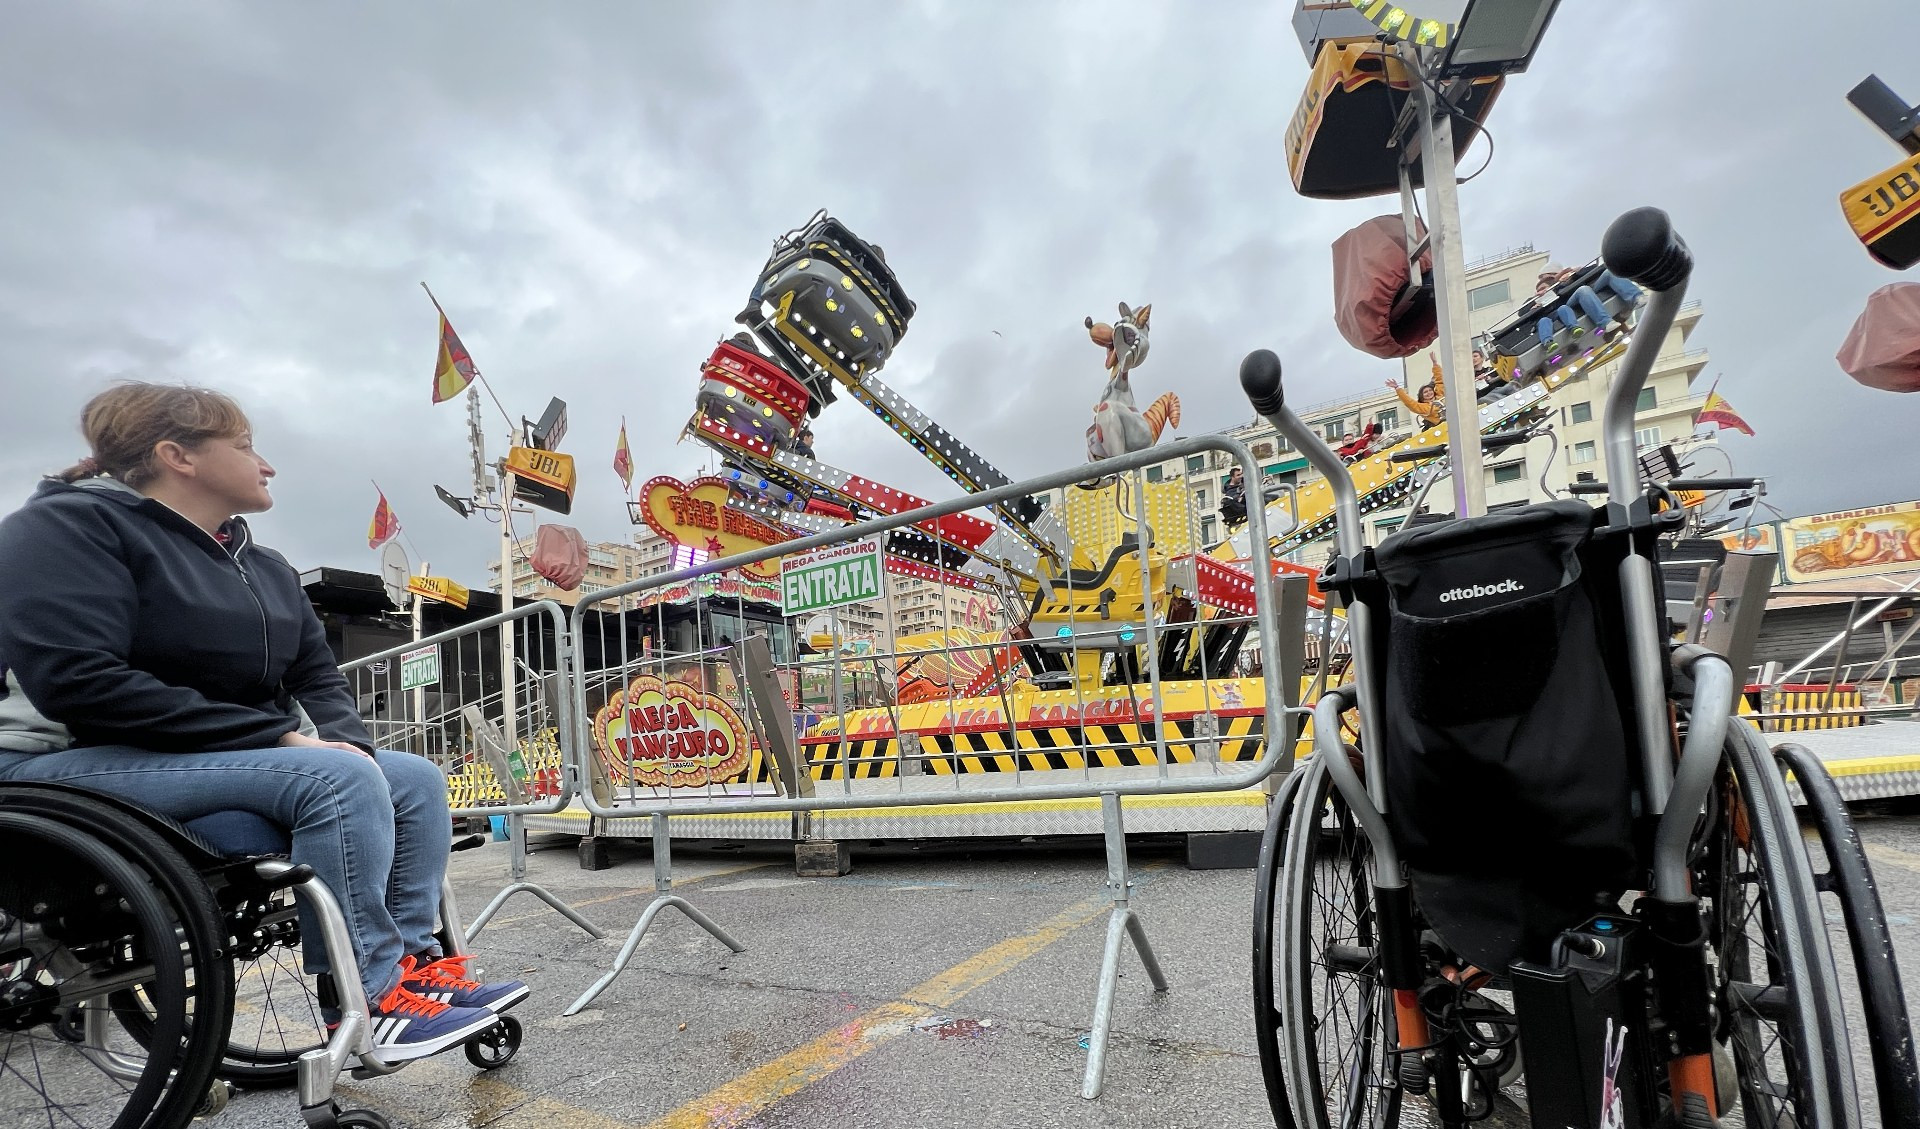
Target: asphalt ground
935,986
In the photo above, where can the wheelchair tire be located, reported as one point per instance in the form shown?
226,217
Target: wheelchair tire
84,916
1266,1011
276,1020
169,870
1849,878
275,1017
1776,987
1337,1041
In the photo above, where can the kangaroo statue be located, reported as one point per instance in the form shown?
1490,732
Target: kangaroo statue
1118,426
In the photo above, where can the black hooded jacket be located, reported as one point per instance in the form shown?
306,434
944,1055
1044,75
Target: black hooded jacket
123,623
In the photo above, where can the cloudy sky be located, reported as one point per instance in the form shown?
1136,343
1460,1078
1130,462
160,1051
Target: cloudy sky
249,195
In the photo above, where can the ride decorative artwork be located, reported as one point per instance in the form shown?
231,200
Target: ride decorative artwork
696,514
1119,427
670,734
1853,542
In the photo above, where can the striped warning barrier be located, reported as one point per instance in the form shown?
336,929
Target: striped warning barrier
476,785
1794,707
1036,749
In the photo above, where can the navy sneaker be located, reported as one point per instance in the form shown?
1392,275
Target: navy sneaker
407,1025
446,981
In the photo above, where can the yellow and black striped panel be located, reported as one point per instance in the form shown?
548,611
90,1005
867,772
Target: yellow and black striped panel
1807,702
1040,749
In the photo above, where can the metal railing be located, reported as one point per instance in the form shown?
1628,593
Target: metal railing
527,759
1094,657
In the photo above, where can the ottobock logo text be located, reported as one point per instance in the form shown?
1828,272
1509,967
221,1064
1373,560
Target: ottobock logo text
1475,591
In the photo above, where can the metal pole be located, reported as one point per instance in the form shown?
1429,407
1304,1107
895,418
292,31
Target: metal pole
1449,290
508,706
420,692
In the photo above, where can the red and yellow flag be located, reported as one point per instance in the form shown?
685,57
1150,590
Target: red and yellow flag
1720,413
623,457
384,527
454,369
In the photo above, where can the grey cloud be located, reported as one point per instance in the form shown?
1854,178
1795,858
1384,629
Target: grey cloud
248,196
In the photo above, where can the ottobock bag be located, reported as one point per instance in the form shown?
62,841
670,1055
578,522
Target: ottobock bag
1509,771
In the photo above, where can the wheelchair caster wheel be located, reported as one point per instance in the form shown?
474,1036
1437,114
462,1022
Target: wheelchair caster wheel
1413,1074
361,1119
69,1025
1694,1115
216,1100
495,1047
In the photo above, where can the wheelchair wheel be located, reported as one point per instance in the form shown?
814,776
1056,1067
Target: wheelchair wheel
276,1019
82,924
276,1011
1849,878
1775,982
1266,1011
1335,1015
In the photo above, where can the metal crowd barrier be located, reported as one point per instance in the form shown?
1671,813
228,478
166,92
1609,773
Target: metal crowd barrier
613,685
442,698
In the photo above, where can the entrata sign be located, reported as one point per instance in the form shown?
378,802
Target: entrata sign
419,669
670,734
829,578
696,514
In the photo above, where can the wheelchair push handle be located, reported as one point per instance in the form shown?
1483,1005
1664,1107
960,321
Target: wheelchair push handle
1260,380
1643,247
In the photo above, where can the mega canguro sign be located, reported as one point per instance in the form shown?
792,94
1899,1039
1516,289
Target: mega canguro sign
670,734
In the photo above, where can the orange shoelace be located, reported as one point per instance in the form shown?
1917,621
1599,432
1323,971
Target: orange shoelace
447,972
405,1001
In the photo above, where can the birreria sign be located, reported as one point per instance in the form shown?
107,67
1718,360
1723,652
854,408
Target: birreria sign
829,578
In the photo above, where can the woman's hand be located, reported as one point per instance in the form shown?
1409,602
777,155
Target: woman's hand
297,739
1391,383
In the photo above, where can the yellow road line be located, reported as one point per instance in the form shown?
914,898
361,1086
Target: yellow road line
489,1101
1893,855
637,892
737,1102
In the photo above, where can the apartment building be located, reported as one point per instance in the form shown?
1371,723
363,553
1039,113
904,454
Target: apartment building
1496,287
608,563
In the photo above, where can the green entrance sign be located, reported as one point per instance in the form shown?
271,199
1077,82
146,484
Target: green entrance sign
830,578
419,668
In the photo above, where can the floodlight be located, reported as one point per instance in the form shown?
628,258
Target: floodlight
1496,37
458,505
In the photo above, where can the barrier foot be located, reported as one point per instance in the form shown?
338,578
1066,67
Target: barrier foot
538,891
1121,924
663,882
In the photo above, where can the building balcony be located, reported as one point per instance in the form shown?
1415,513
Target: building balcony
1690,361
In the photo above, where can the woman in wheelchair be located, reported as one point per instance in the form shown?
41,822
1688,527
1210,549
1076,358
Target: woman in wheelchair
149,649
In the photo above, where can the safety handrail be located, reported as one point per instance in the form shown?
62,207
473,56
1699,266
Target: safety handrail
1275,752
567,730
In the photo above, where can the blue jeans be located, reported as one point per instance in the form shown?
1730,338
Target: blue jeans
1587,302
375,830
1628,292
1545,326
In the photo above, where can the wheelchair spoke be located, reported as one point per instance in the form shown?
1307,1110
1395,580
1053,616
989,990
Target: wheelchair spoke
1758,1018
1344,1029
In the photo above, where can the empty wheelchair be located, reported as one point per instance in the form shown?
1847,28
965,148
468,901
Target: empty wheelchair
1554,853
146,966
